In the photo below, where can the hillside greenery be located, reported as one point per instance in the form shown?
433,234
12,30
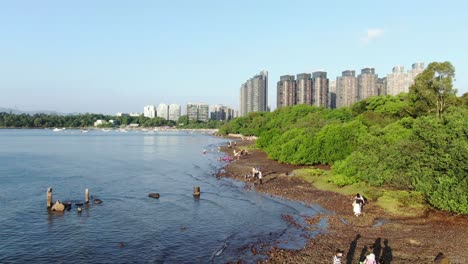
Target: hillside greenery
416,141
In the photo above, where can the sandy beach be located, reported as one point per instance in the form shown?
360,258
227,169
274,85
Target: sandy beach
392,239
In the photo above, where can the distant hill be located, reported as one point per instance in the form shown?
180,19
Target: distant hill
19,112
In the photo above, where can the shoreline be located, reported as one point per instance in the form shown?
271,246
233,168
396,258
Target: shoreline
393,239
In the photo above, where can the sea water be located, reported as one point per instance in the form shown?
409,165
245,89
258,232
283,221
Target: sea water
227,223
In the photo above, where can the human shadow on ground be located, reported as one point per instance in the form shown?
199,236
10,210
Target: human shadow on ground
352,249
382,255
387,255
377,248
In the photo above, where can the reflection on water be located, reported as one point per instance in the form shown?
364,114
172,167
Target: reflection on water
227,223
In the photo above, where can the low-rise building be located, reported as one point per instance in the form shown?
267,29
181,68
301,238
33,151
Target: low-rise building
100,122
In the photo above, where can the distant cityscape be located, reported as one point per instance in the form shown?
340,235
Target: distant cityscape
305,88
316,89
195,112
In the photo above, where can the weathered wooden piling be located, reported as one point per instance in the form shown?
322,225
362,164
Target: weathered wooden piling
49,197
86,196
196,191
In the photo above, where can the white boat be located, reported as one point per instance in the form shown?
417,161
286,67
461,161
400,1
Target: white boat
58,129
84,131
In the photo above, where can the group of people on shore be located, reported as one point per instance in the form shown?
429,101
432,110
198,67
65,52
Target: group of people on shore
370,259
256,174
237,154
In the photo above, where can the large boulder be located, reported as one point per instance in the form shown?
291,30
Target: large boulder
58,206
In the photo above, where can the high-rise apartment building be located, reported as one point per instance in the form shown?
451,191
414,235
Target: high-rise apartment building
221,112
254,94
286,91
382,85
198,112
416,69
320,89
149,111
304,89
203,112
163,111
192,112
397,81
367,83
332,94
346,89
174,112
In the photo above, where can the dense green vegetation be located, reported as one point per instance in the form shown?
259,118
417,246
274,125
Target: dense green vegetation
83,120
186,124
416,141
8,120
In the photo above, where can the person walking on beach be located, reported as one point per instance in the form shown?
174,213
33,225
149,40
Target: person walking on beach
260,176
337,257
254,173
357,204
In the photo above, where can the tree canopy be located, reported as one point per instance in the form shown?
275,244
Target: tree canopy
432,91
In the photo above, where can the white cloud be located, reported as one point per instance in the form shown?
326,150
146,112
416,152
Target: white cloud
372,34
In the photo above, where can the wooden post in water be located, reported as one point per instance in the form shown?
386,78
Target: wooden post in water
196,191
49,197
86,196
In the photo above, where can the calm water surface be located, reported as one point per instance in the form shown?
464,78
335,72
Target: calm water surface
121,168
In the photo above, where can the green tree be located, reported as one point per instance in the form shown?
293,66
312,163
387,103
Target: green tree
432,91
183,120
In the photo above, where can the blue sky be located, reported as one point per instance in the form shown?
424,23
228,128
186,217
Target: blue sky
117,56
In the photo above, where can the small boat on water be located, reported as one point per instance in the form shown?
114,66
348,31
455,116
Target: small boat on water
58,129
84,131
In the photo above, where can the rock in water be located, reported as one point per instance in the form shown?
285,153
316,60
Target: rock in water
154,195
58,206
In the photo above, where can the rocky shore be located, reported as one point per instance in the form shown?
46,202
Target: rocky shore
392,239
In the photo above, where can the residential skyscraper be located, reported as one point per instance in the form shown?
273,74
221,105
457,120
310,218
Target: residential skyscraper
221,112
163,111
332,94
304,89
203,112
320,89
367,83
174,112
286,91
382,85
198,112
254,94
243,100
416,69
397,81
192,112
149,111
346,89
